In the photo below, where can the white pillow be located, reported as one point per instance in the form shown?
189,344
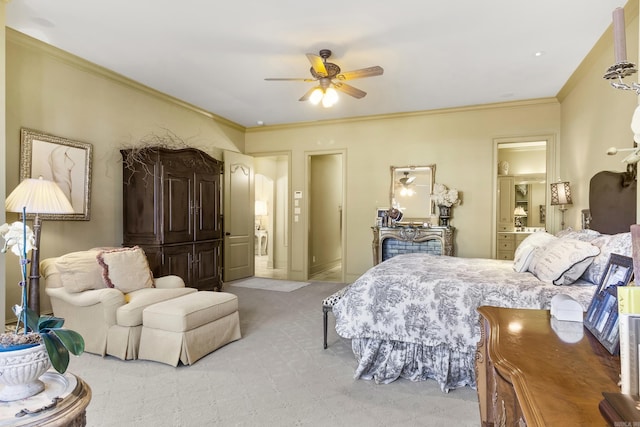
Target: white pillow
523,258
126,269
80,271
525,251
564,260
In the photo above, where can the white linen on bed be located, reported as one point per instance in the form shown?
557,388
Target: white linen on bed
424,308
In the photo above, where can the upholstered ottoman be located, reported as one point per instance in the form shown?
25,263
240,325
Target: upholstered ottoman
189,327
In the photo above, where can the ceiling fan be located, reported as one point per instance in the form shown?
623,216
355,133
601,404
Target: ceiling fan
330,78
405,184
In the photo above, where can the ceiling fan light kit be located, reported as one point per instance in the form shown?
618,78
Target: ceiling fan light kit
326,92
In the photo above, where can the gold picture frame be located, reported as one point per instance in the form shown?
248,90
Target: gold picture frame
63,161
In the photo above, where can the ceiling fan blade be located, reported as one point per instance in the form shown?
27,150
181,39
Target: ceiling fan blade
349,90
306,96
278,79
317,64
358,74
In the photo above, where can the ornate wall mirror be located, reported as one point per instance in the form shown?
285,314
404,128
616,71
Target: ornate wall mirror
411,188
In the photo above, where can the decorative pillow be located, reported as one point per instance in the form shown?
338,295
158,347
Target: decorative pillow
585,235
608,244
126,269
79,271
526,250
564,261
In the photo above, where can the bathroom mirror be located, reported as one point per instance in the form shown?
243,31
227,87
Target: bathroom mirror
411,188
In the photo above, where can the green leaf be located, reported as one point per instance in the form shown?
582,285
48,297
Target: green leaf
58,355
49,322
32,320
71,340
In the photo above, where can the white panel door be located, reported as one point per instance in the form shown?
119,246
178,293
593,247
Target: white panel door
238,216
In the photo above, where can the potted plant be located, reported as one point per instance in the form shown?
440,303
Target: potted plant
28,352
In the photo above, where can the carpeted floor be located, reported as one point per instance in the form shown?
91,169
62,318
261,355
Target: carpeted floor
268,284
276,375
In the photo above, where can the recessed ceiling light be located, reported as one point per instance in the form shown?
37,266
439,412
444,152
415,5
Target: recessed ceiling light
539,53
260,123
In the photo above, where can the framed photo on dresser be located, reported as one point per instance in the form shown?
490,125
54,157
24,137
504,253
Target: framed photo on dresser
602,315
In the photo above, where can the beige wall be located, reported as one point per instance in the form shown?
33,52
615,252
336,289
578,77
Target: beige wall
460,142
2,162
56,93
596,116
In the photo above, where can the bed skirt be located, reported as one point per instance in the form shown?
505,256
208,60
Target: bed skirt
385,361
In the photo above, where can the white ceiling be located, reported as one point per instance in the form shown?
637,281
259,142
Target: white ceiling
435,54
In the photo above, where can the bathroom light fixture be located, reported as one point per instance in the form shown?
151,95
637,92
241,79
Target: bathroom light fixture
519,213
260,211
561,196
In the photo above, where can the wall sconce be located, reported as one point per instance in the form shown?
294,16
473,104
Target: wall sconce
632,158
622,68
561,196
260,211
519,213
37,196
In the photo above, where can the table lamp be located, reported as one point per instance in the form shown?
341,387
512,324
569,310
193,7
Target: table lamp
561,196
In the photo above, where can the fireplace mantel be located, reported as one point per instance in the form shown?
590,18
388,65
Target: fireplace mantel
391,241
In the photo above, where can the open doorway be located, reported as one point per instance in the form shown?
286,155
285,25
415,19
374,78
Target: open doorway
326,188
521,192
271,216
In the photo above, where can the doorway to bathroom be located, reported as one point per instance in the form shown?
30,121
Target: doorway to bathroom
271,216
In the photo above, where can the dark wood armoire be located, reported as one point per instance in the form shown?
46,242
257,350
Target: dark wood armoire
172,208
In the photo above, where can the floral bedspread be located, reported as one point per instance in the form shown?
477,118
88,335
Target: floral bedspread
414,316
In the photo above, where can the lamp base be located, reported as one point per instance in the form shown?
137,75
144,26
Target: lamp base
562,211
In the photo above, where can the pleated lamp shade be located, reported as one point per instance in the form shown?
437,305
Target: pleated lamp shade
38,196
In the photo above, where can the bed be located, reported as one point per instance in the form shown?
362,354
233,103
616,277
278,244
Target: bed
414,316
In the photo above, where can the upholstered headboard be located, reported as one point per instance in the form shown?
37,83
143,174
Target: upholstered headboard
612,201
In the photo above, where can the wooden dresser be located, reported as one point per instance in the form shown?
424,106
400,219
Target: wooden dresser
527,375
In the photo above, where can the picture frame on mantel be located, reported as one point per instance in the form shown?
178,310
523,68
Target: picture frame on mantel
602,315
64,161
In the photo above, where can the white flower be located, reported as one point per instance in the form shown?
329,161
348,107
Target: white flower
14,238
445,197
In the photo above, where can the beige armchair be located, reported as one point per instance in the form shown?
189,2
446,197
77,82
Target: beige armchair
108,318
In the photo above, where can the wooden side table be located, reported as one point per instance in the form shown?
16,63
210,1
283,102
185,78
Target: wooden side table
64,399
527,375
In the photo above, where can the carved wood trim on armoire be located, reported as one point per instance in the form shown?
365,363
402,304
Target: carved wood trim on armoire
172,208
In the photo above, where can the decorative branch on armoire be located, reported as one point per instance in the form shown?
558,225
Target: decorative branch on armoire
134,154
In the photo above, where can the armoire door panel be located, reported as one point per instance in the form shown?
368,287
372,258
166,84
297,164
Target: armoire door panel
140,205
179,205
178,260
207,268
208,218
